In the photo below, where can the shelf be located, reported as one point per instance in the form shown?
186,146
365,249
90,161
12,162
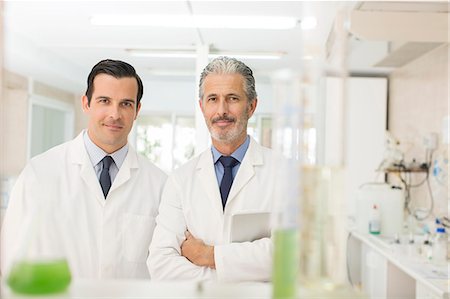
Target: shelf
403,169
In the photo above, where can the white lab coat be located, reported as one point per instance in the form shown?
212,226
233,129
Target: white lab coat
103,238
191,201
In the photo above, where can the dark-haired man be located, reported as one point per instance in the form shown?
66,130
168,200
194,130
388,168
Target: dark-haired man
104,196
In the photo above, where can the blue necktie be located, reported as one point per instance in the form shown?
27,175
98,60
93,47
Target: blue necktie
228,163
105,179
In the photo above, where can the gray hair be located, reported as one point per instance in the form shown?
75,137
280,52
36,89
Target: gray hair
228,65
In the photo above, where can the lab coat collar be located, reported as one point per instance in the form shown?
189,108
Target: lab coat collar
207,176
252,158
124,174
205,171
78,155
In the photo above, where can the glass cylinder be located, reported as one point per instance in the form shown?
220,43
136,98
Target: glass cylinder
286,136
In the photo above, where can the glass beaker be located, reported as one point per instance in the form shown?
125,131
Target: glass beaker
40,265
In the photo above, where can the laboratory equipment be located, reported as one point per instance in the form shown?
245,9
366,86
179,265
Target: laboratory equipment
40,265
375,221
439,246
426,250
286,136
390,202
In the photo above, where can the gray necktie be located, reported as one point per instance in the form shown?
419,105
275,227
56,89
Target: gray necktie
105,179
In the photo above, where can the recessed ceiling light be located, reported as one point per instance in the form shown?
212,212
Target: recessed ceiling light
196,21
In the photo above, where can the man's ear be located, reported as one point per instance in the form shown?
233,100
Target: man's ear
85,103
200,103
252,108
137,110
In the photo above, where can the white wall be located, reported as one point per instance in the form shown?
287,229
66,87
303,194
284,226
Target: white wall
178,95
366,113
419,98
355,130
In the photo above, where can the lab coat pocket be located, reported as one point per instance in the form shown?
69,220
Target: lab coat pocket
138,231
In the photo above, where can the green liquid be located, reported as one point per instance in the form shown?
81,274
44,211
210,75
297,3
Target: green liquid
285,264
39,277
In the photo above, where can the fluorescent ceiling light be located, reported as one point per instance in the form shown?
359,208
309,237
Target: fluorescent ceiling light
192,54
153,54
197,21
308,23
261,56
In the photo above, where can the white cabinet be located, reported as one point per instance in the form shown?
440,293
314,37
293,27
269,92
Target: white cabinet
373,273
424,292
382,279
384,272
400,285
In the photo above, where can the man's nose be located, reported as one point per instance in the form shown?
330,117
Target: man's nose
114,112
222,108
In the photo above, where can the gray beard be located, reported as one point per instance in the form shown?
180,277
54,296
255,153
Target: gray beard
230,136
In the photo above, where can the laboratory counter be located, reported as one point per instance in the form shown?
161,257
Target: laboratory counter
81,288
149,289
391,270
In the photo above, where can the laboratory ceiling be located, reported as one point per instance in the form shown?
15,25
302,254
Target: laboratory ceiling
55,41
58,42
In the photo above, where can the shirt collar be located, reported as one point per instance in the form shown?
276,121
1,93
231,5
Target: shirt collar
96,154
238,154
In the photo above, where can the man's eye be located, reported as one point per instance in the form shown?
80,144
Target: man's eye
103,100
127,104
212,99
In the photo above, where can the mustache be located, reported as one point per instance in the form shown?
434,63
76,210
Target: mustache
113,123
223,118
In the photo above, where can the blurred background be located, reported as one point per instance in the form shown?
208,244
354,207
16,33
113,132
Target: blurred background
375,91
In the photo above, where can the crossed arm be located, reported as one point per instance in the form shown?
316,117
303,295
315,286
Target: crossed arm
176,254
190,258
197,252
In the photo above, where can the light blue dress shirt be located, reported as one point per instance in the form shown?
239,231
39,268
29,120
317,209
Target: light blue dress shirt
96,155
238,154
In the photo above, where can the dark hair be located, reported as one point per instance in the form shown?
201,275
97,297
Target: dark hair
229,65
117,69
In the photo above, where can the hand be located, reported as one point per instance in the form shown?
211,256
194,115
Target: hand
197,252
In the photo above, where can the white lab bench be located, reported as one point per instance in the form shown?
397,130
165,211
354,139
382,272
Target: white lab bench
385,269
80,288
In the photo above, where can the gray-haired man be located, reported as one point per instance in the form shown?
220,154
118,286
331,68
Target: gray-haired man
192,238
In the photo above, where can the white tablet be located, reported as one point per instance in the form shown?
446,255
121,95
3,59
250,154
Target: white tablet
248,227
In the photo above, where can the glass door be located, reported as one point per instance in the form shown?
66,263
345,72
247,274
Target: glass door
51,123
